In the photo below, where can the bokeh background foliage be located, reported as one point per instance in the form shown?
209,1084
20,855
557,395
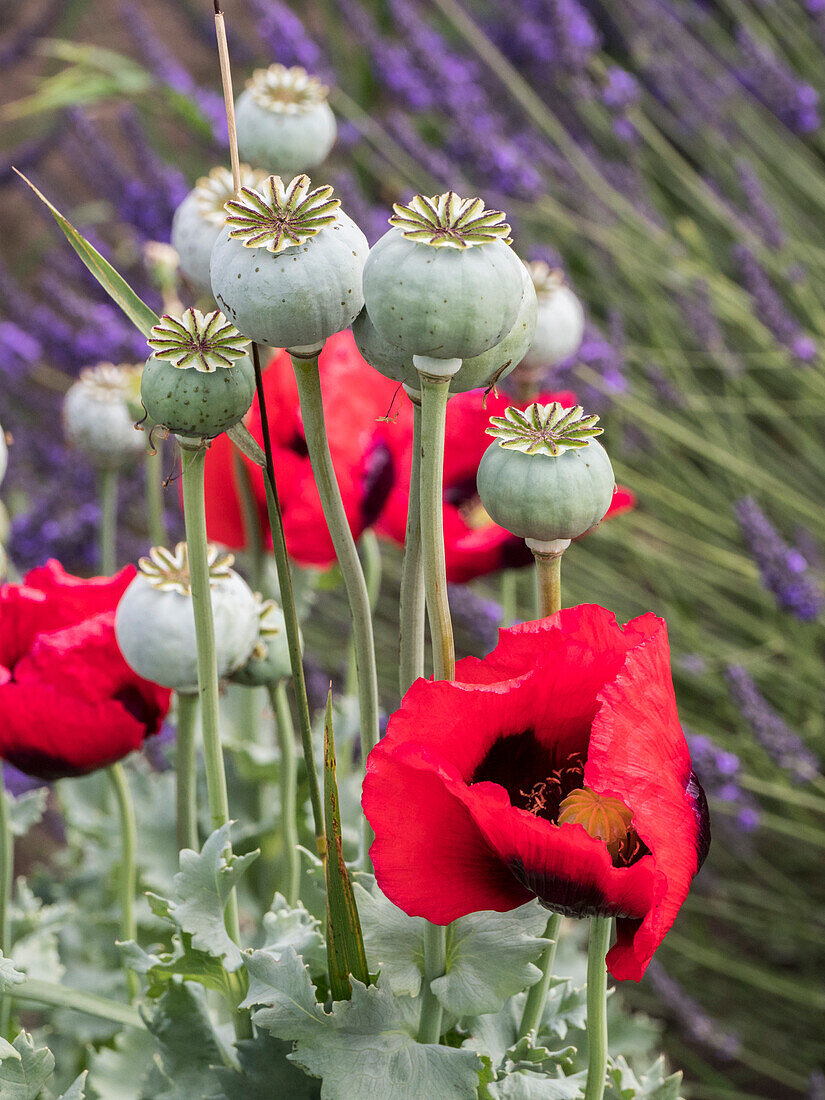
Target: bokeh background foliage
669,155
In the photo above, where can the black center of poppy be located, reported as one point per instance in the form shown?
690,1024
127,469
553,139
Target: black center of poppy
529,771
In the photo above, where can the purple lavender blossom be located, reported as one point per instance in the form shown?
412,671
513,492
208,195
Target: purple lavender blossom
480,617
697,1024
785,747
719,772
783,568
288,42
17,782
762,216
773,83
771,310
621,89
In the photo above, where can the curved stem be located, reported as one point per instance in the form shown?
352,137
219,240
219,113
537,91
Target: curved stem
249,517
186,774
600,928
6,887
61,996
548,573
537,994
194,515
435,391
312,410
153,473
293,635
411,663
434,395
108,521
288,786
128,871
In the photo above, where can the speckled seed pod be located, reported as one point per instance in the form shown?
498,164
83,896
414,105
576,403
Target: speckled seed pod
560,319
288,266
545,477
200,218
283,120
97,418
155,621
483,370
198,382
269,662
444,282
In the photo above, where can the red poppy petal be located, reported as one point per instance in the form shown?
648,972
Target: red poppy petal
638,753
430,858
568,870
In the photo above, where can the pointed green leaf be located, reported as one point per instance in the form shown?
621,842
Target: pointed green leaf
141,316
23,1078
247,444
77,1090
345,944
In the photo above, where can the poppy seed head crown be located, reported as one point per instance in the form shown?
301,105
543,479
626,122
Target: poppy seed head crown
215,189
448,221
544,429
279,216
107,382
196,340
168,570
288,91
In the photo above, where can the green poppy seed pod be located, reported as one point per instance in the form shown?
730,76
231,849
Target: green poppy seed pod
288,266
97,418
155,621
283,120
483,370
443,282
560,320
200,218
198,382
269,662
545,477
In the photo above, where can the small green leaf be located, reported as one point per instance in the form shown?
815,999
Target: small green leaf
202,887
77,1090
26,810
345,943
141,316
8,975
366,1046
247,444
538,1086
186,962
23,1078
623,1083
294,927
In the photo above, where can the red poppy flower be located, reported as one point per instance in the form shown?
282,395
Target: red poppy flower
355,397
465,790
69,703
474,545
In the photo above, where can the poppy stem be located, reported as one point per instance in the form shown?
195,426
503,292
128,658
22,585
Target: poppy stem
600,929
186,804
547,556
193,455
411,662
370,554
108,521
128,872
308,378
287,595
434,378
250,521
537,994
153,475
288,783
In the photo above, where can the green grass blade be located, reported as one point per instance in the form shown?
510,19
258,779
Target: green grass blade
345,944
141,316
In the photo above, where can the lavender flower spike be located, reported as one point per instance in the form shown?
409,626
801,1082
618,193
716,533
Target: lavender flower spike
785,747
783,568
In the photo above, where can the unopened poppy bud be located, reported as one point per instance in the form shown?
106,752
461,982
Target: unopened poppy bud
560,320
444,281
606,819
269,661
155,620
284,121
288,266
98,415
545,477
199,381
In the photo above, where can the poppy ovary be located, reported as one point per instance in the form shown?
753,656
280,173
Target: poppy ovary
606,819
